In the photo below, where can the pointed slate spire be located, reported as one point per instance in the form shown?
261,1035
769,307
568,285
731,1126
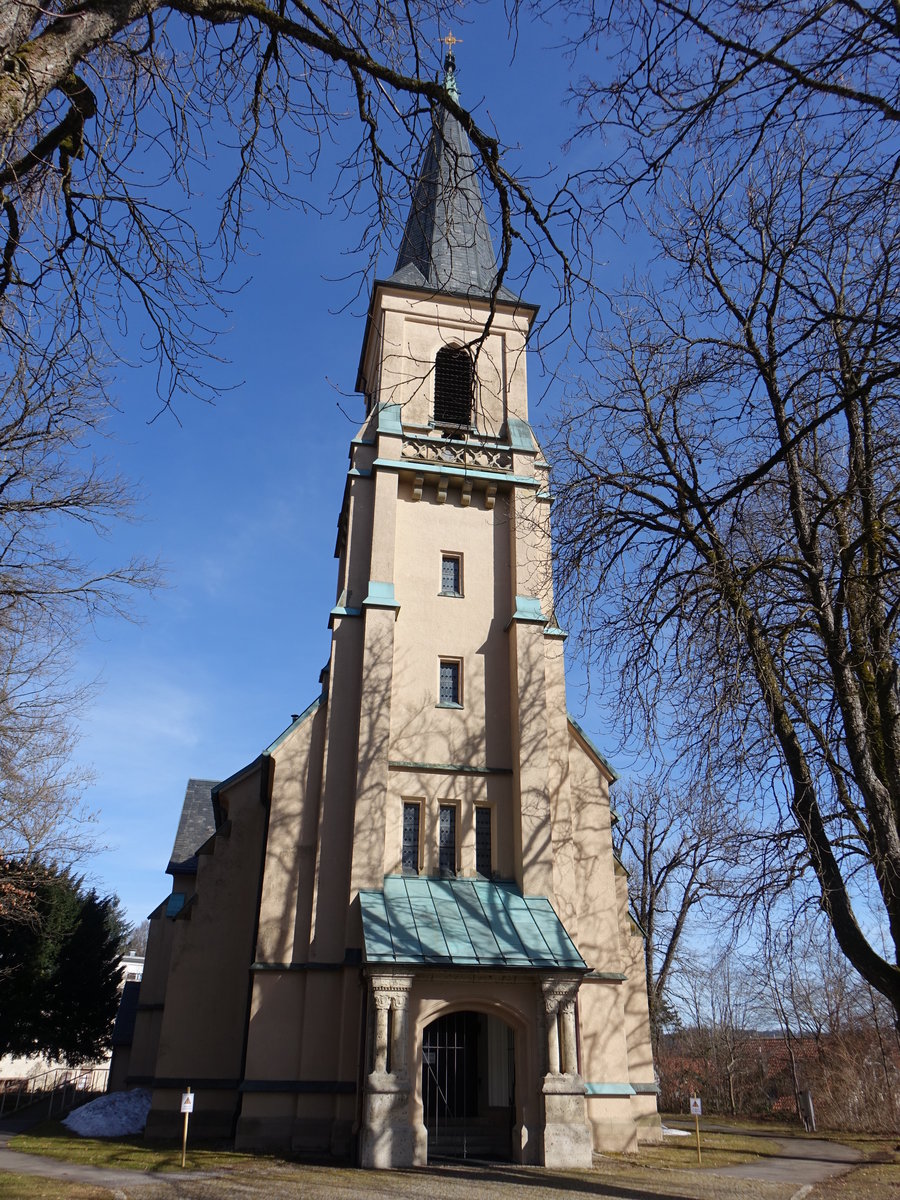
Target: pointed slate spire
447,243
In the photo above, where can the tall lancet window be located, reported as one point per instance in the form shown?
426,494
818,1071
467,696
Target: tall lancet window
453,386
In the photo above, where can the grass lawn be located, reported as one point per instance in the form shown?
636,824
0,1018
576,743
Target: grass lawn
128,1153
663,1172
134,1154
879,1181
717,1150
30,1187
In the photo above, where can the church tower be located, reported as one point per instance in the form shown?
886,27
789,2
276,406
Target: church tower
401,931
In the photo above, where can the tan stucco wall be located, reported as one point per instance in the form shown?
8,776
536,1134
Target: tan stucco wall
407,332
379,737
202,1031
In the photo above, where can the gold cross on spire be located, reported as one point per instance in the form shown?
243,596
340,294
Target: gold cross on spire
450,41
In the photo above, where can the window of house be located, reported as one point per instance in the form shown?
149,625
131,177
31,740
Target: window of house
409,857
483,858
447,839
450,691
453,383
451,575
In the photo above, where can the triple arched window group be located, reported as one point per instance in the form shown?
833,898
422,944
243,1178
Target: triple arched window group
454,385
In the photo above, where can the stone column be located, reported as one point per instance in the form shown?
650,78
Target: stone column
387,1136
550,1014
400,1033
569,1045
382,1007
567,1139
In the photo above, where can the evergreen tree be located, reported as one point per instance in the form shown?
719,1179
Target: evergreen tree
59,967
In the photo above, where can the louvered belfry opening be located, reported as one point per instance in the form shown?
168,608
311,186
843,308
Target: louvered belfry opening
453,380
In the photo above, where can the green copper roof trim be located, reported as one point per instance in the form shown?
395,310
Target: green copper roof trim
238,775
520,436
450,84
464,923
646,1089
584,737
607,976
341,610
428,468
307,712
528,611
638,926
555,631
381,595
609,1089
359,473
455,768
389,418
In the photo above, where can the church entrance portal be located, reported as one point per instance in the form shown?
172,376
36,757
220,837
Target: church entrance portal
468,1086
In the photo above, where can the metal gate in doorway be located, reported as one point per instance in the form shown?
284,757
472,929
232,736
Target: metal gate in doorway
468,1086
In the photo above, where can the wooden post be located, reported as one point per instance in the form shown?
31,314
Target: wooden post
186,1109
697,1126
696,1110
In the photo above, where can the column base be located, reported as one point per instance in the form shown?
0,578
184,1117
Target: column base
567,1140
387,1137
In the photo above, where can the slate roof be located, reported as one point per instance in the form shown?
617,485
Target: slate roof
196,825
447,245
464,923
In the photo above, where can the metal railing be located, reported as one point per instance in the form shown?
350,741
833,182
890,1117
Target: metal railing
60,1087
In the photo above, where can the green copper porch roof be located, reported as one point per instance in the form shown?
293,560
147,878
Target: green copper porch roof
464,923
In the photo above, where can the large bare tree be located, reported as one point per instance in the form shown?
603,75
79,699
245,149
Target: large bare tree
110,111
680,846
729,517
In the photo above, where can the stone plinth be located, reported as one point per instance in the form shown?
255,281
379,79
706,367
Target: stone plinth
567,1134
388,1138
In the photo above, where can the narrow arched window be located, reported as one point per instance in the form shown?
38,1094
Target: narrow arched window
452,386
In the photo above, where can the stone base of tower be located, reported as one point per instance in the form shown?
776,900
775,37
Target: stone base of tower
308,1128
614,1128
387,1138
567,1135
646,1117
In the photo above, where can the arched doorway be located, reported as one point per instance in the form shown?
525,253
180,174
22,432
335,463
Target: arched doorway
468,1086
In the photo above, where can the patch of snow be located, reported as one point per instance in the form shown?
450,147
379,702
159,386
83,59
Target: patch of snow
667,1131
112,1115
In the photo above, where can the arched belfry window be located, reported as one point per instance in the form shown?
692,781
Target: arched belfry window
453,386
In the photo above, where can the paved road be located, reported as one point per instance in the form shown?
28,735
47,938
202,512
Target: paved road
802,1161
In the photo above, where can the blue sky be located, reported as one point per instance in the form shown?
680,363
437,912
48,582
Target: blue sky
240,501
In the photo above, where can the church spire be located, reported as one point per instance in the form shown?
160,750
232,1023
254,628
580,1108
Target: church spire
447,243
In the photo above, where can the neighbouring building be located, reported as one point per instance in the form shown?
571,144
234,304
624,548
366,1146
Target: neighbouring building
401,931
